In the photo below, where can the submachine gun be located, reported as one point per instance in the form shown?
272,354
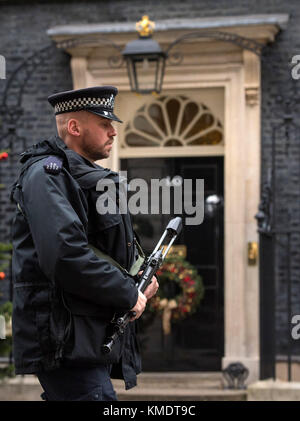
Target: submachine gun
150,267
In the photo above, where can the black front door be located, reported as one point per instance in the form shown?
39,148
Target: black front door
196,343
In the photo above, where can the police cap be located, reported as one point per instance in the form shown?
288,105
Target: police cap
98,100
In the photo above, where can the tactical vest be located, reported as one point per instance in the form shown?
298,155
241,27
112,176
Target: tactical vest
54,165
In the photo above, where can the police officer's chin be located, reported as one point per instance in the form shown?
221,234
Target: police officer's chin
99,156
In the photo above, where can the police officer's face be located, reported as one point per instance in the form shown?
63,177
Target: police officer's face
87,134
98,137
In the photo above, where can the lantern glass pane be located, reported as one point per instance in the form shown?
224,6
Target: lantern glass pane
146,75
131,74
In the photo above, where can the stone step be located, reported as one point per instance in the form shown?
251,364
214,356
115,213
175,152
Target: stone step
184,386
151,387
171,394
20,388
181,380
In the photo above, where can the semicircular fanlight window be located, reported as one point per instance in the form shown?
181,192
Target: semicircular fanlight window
173,121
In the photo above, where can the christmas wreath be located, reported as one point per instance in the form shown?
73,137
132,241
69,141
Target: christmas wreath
180,291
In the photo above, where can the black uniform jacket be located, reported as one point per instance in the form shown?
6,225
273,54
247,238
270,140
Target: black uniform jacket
64,295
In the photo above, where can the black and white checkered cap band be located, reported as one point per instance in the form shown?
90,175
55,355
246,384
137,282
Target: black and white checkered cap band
81,103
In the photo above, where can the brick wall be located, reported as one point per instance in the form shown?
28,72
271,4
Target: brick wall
23,26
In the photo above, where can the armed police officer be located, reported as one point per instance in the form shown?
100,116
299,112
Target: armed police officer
71,265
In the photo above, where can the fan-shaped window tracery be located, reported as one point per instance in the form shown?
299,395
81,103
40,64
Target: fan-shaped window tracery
173,121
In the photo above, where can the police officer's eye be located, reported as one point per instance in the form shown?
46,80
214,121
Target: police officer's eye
106,125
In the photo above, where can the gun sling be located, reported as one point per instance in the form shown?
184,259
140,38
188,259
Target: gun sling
135,268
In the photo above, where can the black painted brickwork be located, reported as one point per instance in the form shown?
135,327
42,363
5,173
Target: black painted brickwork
23,26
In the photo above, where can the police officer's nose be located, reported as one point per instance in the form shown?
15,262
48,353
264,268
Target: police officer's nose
113,132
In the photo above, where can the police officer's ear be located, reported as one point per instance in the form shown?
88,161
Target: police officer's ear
74,127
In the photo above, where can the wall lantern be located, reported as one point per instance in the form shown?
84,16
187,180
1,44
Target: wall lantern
145,60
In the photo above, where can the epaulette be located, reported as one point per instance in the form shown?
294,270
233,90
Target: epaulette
53,164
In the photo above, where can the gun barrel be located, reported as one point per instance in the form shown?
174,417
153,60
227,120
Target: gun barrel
107,347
